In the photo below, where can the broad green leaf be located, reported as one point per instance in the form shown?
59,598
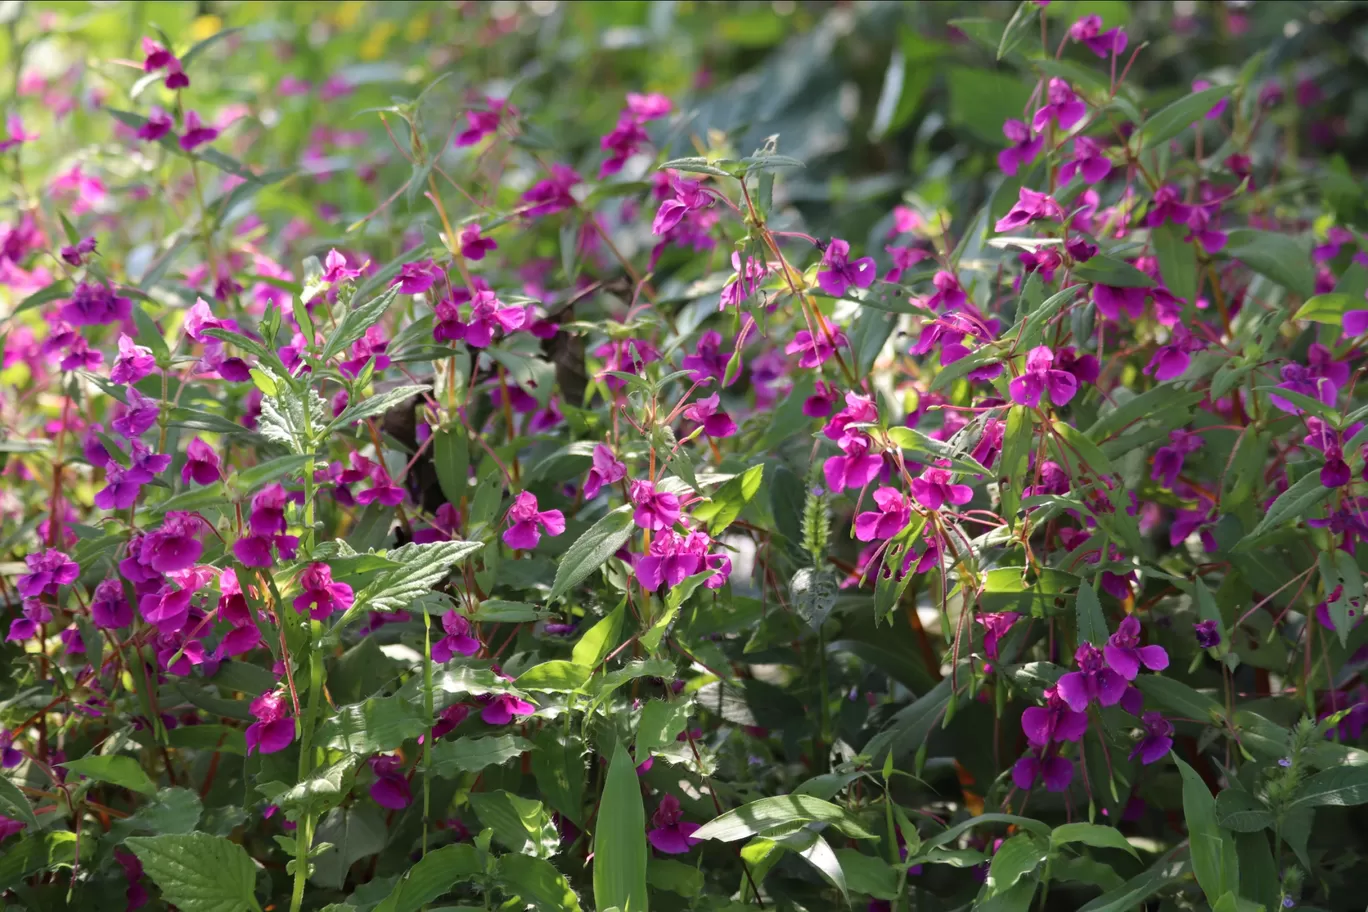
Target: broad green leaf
469,755
321,790
950,834
421,568
729,500
620,840
591,550
354,833
372,727
248,480
1214,859
433,876
768,813
556,676
124,772
914,440
1163,398
1092,623
1180,698
1079,447
1293,504
174,810
451,460
1102,837
675,876
1345,786
537,883
519,824
1177,117
375,405
1014,462
198,872
1278,257
1132,894
1241,812
14,805
1329,308
599,640
1177,260
1104,270
868,875
357,320
558,767
1013,860
660,723
911,725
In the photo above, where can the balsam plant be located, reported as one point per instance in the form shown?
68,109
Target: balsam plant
442,469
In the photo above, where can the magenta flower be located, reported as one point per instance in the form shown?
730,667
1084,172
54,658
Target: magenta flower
9,756
1125,654
1087,160
488,316
1030,206
1054,721
935,487
707,359
1171,361
500,709
75,254
1220,106
690,196
273,730
133,363
109,607
175,546
157,56
35,615
1093,681
383,490
1168,460
321,596
159,123
1040,376
670,561
1201,231
624,141
606,470
1157,740
473,245
551,195
14,126
457,639
949,294
904,258
80,356
139,415
196,133
95,305
267,516
201,464
1088,31
336,270
1023,150
671,833
813,352
1320,379
655,510
1207,633
482,123
9,826
390,788
1168,207
1063,107
822,400
716,423
649,106
525,522
857,468
1038,766
1355,323
995,627
893,515
838,273
255,550
46,571
626,356
743,282
416,277
372,344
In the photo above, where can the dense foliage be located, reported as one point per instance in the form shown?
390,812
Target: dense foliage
683,456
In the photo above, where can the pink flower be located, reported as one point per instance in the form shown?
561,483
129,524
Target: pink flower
690,196
525,522
893,515
159,123
272,731
655,510
500,709
321,596
14,126
814,352
1087,160
175,546
1055,721
1041,376
838,273
934,488
857,468
201,464
1125,654
670,833
390,788
1093,681
336,270
551,195
133,363
1157,741
651,106
457,639
416,277
1025,146
607,469
109,607
46,571
473,246
196,133
1063,107
716,423
1030,206
995,627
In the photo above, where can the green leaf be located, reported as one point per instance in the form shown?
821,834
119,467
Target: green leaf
1080,447
14,805
817,852
589,552
1214,858
868,335
421,567
537,883
952,833
1131,895
198,872
470,755
1105,270
558,767
324,788
373,726
675,876
768,813
599,640
1101,837
519,824
124,772
263,473
982,99
175,810
189,56
1345,786
1013,860
1164,398
620,840
556,676
660,723
1241,812
1293,504
1092,623
1179,698
433,876
357,321
1278,257
53,292
1328,308
1177,117
914,440
151,337
1177,260
911,725
729,500
868,875
451,459
1014,463
375,405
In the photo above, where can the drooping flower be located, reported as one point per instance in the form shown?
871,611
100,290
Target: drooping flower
1040,766
273,730
1092,681
336,270
456,639
75,254
668,562
1023,150
1168,460
838,273
1087,160
525,522
1030,206
321,596
949,294
1125,654
995,627
500,709
133,363
390,788
10,756
1157,740
417,277
1207,633
94,304
474,245
552,194
893,515
196,133
935,487
109,607
670,832
856,468
706,411
814,351
201,464
690,196
607,469
1041,375
159,123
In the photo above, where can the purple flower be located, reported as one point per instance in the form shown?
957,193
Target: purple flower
626,356
743,282
75,254
1088,31
500,709
707,359
857,468
1168,460
1125,654
1168,207
1093,681
1023,150
9,756
525,522
904,258
95,305
46,571
482,123
457,639
893,515
1055,721
552,194
1171,361
1200,85
1040,376
133,363
201,464
1087,160
382,490
1208,634
670,833
1063,107
690,196
336,270
655,510
140,414
1355,323
9,826
255,550
607,469
416,277
1112,301
109,607
390,788
1320,379
473,245
321,596
372,344
624,141
672,559
995,627
838,273
716,423
1157,740
1201,231
174,546
196,133
273,730
1030,206
1037,766
934,487
814,352
159,123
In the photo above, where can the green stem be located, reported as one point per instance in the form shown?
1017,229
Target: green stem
304,837
427,742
